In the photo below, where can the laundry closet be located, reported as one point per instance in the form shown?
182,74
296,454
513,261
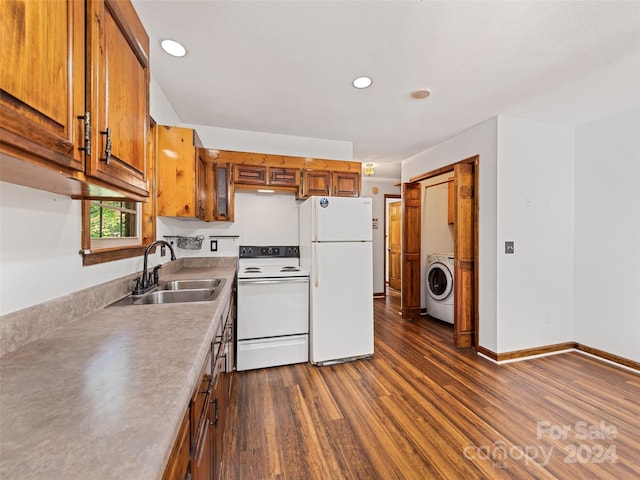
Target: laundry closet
437,247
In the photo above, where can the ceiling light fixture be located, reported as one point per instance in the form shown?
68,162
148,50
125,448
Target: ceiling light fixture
368,169
421,93
362,82
173,48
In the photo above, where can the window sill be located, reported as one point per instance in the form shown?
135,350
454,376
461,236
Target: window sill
94,257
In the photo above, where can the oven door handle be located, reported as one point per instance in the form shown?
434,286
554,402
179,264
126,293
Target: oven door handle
274,280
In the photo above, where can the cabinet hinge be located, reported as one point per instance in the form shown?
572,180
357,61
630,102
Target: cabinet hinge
87,133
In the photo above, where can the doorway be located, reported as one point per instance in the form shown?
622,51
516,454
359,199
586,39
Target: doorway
465,217
393,243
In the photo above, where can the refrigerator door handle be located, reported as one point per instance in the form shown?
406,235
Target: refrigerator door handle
315,221
316,267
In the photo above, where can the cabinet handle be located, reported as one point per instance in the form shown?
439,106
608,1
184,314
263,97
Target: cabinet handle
87,132
107,147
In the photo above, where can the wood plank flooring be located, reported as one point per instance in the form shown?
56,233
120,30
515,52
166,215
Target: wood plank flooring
422,409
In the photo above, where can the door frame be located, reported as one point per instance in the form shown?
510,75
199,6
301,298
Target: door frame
387,198
472,304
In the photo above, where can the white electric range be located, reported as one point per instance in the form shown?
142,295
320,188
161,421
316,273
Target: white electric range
273,307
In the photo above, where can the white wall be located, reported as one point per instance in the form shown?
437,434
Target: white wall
260,220
479,140
607,234
535,210
384,186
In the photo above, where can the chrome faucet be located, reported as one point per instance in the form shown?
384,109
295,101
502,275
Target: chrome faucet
144,283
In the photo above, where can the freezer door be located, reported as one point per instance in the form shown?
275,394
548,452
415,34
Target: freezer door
341,317
342,219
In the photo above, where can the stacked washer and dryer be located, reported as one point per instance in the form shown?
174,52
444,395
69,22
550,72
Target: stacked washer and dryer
439,286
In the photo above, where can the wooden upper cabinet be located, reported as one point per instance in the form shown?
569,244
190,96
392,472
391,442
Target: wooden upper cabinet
42,82
284,177
261,175
73,76
222,192
336,183
451,201
117,94
250,174
345,184
181,170
316,182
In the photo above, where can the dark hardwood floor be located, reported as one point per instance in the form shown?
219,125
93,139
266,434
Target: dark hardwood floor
422,409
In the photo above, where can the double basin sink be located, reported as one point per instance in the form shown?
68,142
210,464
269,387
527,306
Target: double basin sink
177,291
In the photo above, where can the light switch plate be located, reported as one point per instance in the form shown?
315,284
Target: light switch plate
509,247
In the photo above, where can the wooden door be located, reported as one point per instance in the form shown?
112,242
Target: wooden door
395,245
410,296
464,276
118,94
42,81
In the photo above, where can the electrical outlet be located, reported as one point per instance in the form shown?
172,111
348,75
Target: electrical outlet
214,245
509,247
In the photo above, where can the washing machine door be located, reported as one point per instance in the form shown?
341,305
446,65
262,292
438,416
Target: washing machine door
439,281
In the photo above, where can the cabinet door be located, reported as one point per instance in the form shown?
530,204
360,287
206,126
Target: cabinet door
316,182
179,458
451,201
177,172
250,174
222,191
289,177
345,184
201,182
218,418
42,81
118,94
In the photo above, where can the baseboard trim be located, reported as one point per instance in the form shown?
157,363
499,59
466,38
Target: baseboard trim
608,356
530,353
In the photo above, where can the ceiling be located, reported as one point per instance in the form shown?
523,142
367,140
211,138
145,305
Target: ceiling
286,67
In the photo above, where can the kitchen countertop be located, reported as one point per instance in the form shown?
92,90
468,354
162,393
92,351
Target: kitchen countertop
104,396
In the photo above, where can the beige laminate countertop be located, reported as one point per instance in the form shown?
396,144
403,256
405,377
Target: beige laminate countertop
103,397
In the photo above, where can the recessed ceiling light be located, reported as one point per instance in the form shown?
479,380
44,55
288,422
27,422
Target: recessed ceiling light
421,93
173,48
362,82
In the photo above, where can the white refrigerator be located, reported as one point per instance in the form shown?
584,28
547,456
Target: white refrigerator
335,246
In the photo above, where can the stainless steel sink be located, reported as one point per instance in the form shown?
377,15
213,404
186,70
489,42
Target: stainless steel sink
177,296
177,291
192,284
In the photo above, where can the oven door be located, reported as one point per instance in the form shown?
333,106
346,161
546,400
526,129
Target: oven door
272,307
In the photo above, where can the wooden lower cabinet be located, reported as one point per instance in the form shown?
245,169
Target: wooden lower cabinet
197,451
178,466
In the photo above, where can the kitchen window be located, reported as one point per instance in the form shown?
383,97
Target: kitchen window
114,223
114,230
